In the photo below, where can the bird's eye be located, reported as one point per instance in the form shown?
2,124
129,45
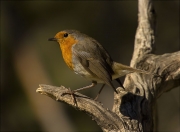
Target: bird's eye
65,35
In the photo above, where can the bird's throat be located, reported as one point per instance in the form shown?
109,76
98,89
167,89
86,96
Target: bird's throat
66,48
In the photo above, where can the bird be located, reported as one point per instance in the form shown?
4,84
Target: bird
88,58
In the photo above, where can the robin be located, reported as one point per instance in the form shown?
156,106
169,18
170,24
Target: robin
88,58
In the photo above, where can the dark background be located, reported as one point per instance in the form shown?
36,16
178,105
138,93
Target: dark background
28,59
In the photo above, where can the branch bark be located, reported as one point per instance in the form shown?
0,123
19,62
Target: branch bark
133,108
105,118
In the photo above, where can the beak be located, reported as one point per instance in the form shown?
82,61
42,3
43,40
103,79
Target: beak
52,39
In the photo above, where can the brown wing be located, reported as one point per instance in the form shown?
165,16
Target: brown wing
95,60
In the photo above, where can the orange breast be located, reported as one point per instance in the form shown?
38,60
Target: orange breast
66,48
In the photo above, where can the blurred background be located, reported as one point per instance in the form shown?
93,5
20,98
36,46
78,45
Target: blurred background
28,59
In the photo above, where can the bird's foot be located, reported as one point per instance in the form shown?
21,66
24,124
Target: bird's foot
71,92
95,99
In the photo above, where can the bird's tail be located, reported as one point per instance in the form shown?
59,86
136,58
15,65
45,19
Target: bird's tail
122,70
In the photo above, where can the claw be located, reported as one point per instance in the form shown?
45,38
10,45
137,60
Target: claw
71,92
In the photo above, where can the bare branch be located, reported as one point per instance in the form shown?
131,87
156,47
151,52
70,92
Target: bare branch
146,89
168,66
105,118
145,34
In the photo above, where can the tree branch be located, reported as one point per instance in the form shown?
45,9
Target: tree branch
145,34
105,118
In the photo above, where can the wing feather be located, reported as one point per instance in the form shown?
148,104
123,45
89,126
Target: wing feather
94,58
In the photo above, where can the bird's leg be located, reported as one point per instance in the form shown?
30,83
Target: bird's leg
119,81
99,92
79,89
71,92
86,87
